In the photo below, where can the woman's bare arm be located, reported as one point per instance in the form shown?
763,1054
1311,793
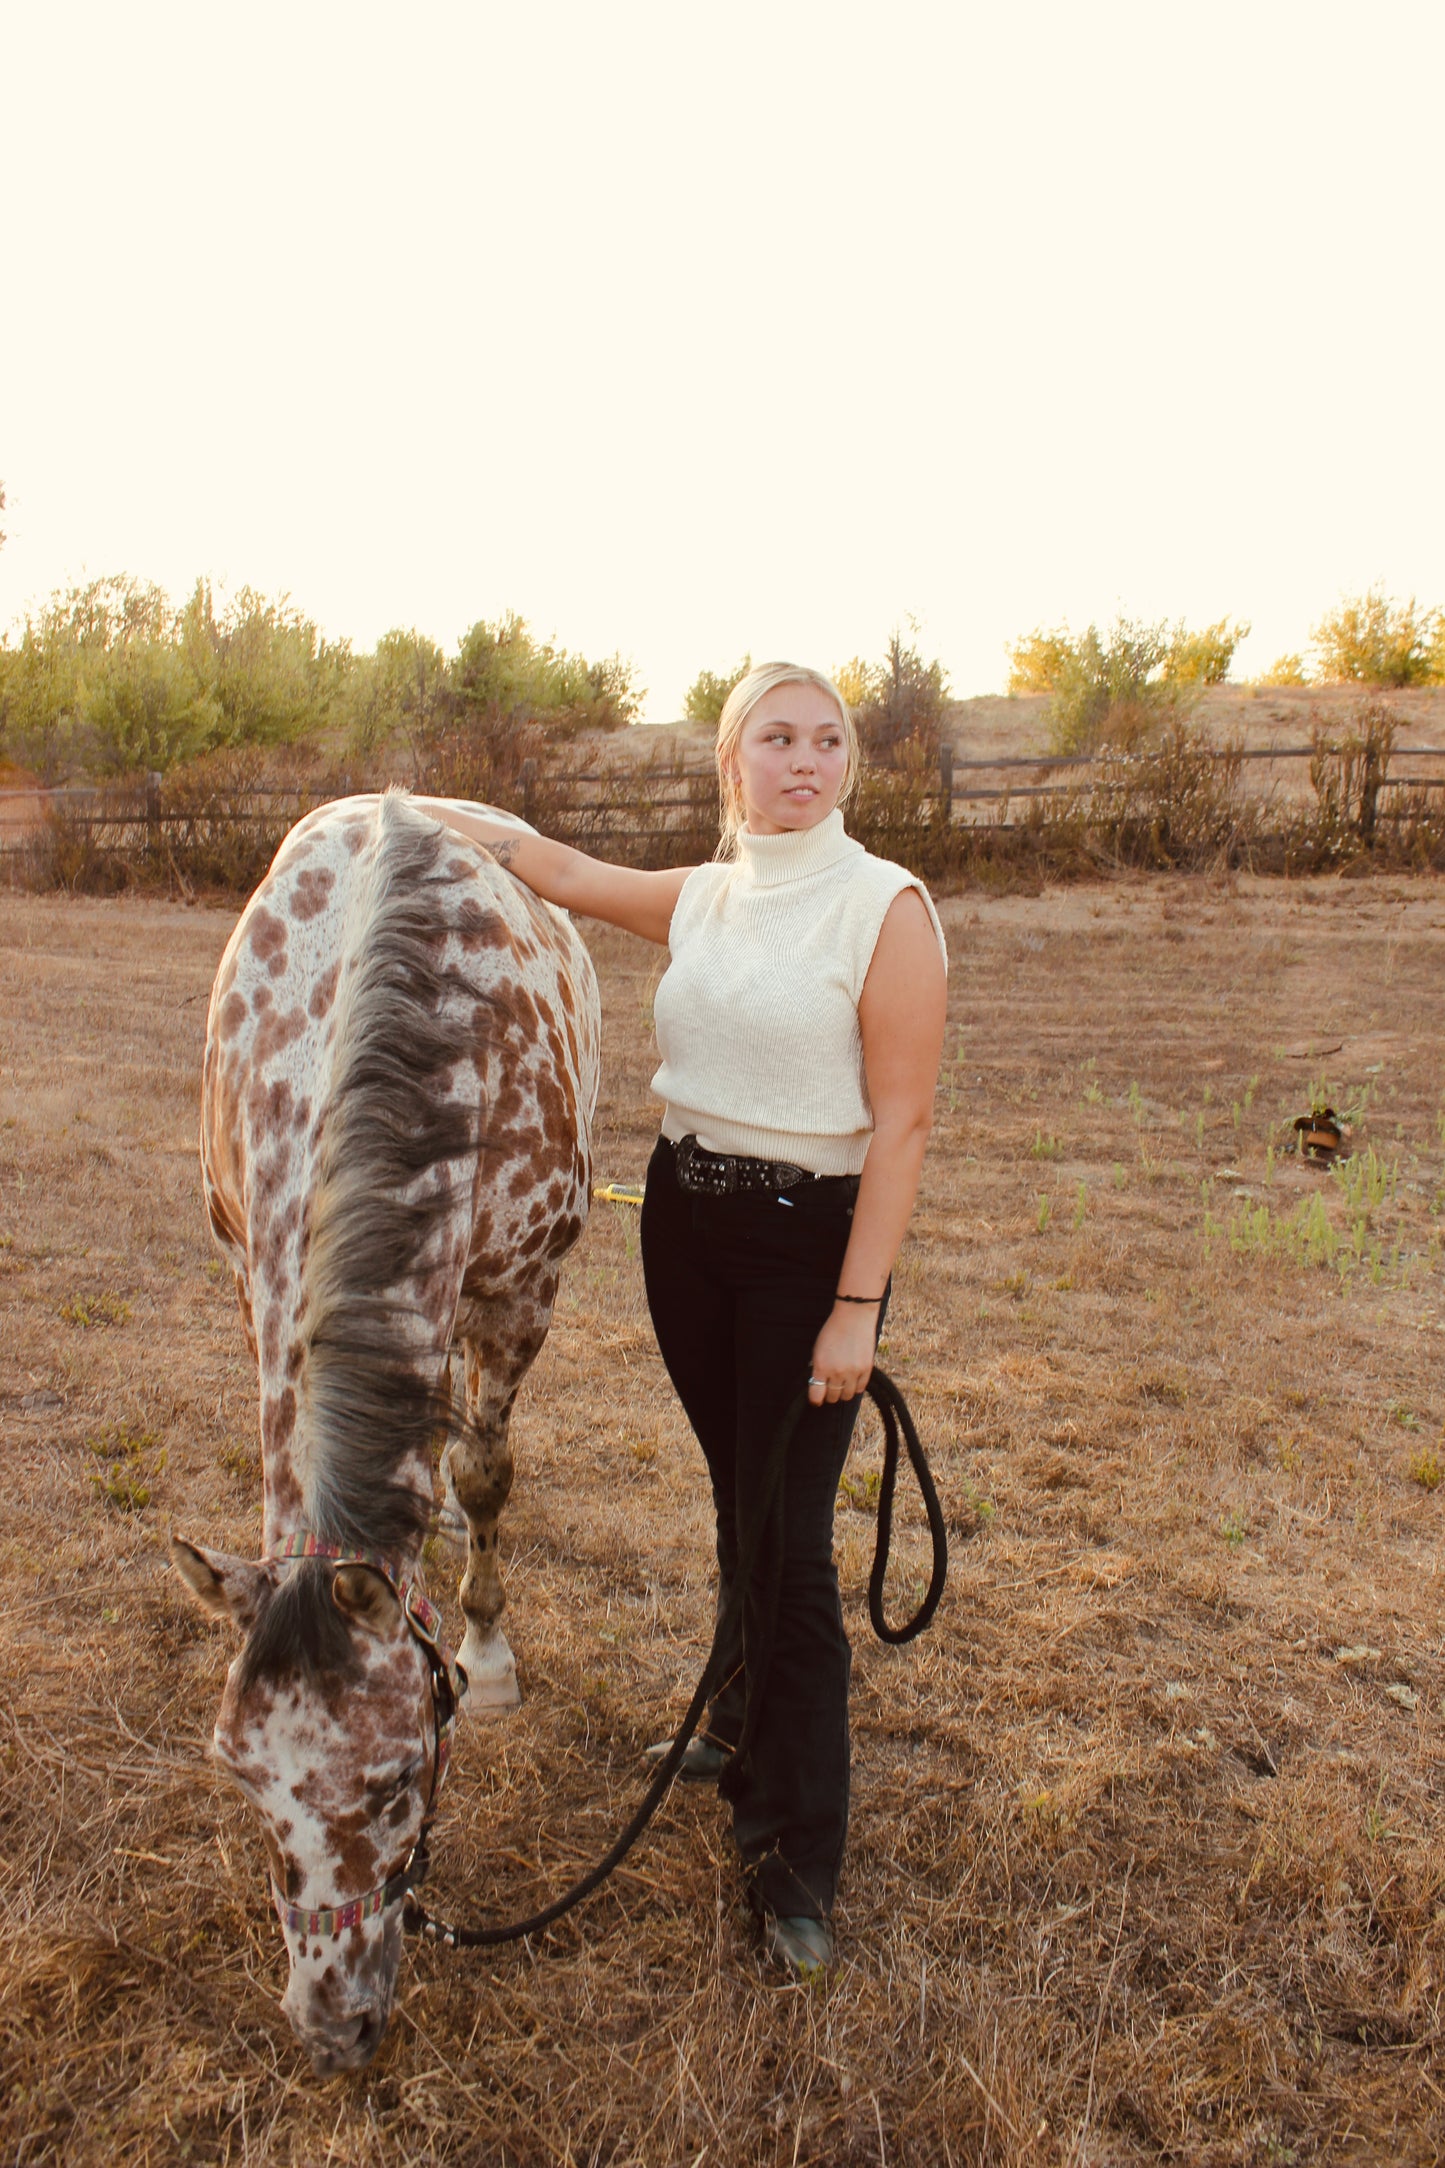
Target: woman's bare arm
639,902
901,1015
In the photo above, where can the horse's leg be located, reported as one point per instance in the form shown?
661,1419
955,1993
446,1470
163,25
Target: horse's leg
451,1521
499,1341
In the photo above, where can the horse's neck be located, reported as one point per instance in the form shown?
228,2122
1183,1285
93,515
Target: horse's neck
425,1330
283,1487
280,1469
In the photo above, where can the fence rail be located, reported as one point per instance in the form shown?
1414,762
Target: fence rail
139,817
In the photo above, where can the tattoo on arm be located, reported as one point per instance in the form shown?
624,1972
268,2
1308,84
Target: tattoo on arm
503,853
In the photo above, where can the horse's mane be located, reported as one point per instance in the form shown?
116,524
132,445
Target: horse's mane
397,1151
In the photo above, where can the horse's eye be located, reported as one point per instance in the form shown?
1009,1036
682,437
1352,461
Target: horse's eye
384,1792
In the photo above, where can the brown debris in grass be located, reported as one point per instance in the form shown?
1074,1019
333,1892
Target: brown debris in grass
1139,1868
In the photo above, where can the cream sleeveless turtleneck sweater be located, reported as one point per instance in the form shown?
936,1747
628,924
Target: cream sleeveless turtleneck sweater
757,1014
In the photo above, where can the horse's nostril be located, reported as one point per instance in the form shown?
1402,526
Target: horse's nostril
369,2030
348,2045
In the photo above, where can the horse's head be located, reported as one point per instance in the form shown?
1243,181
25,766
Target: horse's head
335,1723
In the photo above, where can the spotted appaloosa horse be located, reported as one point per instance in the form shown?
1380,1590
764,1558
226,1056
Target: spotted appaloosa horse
400,1076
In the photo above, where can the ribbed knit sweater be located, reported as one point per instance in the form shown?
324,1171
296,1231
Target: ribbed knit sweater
757,1014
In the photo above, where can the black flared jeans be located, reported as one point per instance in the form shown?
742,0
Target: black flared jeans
739,1288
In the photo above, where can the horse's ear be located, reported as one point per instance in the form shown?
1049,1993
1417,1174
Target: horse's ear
233,1588
367,1598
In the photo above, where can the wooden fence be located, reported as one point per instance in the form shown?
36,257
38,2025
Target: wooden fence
147,816
951,768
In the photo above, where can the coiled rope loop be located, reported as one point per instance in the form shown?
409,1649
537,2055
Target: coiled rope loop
897,1420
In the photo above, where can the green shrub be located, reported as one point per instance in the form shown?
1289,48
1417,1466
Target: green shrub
87,685
1038,661
1285,670
399,690
273,677
1371,640
708,693
1203,658
109,678
1112,688
899,703
1131,657
852,679
503,679
595,695
144,707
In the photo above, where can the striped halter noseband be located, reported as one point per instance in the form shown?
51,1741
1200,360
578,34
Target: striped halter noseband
448,1684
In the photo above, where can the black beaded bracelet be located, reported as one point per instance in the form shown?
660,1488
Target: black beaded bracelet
871,1300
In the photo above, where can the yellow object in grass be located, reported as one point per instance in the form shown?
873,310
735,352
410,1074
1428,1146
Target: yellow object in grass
619,1192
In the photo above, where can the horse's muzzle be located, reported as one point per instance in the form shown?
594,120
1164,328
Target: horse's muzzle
349,2044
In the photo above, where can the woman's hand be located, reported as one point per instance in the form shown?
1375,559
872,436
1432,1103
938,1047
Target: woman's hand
843,1354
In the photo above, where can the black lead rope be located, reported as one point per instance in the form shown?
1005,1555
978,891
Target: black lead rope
893,1408
896,1415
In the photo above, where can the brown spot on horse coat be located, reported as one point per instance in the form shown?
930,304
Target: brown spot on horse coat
267,936
276,1032
323,993
278,1421
268,1108
310,894
477,928
270,1338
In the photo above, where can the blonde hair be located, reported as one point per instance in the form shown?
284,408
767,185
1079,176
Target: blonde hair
739,705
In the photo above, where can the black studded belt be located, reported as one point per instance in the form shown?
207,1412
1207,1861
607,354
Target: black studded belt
722,1174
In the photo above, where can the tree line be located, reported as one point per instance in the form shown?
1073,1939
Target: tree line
111,677
1119,685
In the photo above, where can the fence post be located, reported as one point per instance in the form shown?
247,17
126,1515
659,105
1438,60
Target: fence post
945,784
1375,767
153,812
527,777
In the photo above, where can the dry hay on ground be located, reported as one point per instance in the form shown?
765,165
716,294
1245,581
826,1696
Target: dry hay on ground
1145,1858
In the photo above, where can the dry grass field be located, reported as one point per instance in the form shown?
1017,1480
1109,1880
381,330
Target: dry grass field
1146,1858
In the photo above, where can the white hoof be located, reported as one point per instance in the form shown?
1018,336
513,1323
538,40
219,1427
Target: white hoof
491,1673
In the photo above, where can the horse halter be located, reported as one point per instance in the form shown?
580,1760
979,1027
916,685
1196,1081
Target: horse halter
448,1684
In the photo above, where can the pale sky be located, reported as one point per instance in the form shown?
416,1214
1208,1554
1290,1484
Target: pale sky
687,331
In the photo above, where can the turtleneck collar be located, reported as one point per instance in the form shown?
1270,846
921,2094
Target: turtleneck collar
768,861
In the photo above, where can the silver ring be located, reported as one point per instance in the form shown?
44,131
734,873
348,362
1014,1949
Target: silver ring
815,1381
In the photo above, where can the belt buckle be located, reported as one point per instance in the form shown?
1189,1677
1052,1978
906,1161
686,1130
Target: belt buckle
700,1173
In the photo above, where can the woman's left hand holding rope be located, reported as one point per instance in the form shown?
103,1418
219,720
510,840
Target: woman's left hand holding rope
843,1354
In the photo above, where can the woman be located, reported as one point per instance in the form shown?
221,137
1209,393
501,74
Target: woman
800,1024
